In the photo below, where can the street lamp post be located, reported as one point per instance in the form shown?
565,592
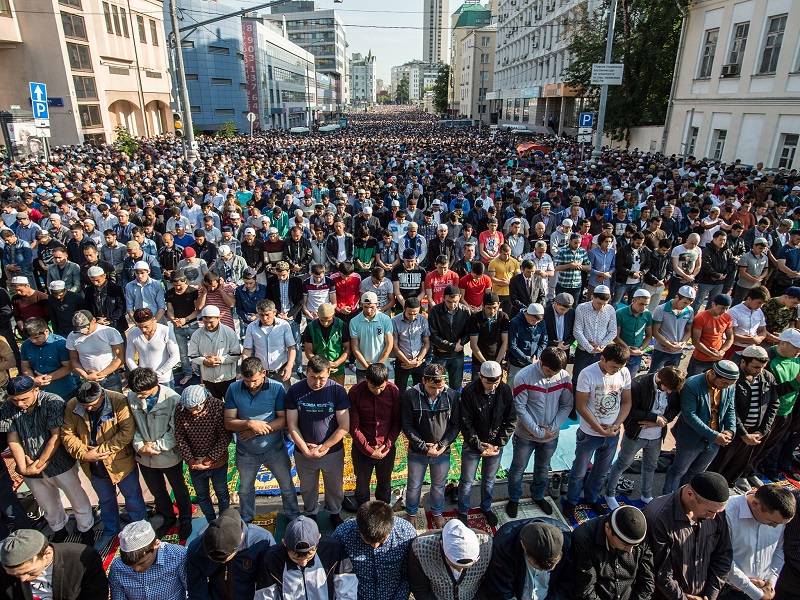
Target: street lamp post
601,113
480,87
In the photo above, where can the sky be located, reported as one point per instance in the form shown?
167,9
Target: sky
394,35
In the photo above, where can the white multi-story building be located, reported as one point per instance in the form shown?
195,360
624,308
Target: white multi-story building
469,16
434,31
475,79
737,88
421,76
363,84
530,60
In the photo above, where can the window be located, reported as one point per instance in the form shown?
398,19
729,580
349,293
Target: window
772,44
740,31
224,112
90,115
79,57
218,50
692,140
124,18
107,15
140,27
195,109
485,41
95,138
191,77
85,88
74,26
718,143
485,59
119,71
187,44
72,3
709,50
5,8
788,148
154,32
153,74
115,18
221,81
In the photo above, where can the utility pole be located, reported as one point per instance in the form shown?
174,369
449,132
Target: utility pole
601,113
180,83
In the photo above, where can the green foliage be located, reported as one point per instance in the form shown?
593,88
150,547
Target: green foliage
227,130
125,141
646,41
402,96
440,89
384,99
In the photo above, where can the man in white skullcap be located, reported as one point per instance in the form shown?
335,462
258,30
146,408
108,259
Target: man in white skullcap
146,566
229,267
144,292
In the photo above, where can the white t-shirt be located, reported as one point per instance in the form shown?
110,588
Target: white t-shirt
660,406
636,265
686,258
42,586
708,234
605,394
94,350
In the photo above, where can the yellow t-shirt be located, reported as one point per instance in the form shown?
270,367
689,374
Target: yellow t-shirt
503,269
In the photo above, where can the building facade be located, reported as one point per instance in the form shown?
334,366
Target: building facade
476,78
104,64
469,16
531,57
421,76
321,32
363,83
434,31
737,94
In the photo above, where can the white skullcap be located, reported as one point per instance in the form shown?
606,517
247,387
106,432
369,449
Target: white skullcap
135,536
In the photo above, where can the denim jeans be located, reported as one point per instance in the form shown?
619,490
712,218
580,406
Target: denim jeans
10,505
512,374
417,465
627,451
574,292
622,290
131,490
201,481
603,449
277,461
543,452
182,337
112,382
662,359
298,356
583,359
695,367
455,370
401,376
706,291
633,364
469,466
690,459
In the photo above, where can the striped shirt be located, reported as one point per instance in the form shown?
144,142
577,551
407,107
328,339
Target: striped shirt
164,580
33,428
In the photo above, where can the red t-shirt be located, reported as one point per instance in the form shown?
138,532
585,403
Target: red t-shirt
474,288
437,283
491,244
712,333
347,290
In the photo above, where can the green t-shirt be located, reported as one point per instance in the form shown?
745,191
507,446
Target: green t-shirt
785,369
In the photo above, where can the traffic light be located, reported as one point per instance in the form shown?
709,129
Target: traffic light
177,123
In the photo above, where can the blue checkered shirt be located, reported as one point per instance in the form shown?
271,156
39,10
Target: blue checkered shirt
570,278
164,580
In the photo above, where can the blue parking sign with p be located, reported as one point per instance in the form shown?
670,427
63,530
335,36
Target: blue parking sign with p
39,100
586,120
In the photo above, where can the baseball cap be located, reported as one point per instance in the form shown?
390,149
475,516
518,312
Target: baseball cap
460,544
567,222
790,335
224,250
722,300
249,231
369,298
223,535
249,273
302,534
792,292
81,321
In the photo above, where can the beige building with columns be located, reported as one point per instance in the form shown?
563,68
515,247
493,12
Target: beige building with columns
103,61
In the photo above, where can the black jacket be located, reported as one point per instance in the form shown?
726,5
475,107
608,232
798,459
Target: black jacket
660,267
625,262
550,324
518,293
505,578
435,250
332,249
295,296
297,253
444,336
483,422
643,397
109,303
771,392
169,258
253,255
716,263
422,425
61,311
603,573
77,575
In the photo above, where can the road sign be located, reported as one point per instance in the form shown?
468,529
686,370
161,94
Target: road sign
586,120
252,117
41,123
607,74
39,100
43,132
584,131
585,139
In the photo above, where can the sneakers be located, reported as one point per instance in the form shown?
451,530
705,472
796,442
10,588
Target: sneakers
612,503
511,509
597,508
568,510
60,536
490,517
564,483
544,505
555,486
625,486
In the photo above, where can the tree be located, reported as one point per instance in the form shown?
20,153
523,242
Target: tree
440,89
646,41
401,96
125,141
227,130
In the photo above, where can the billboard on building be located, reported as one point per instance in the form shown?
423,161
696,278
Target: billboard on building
250,72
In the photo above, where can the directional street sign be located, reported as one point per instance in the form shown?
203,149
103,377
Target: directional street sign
584,131
586,120
587,139
252,117
607,74
41,109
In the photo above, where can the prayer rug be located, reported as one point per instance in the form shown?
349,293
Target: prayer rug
475,519
111,550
